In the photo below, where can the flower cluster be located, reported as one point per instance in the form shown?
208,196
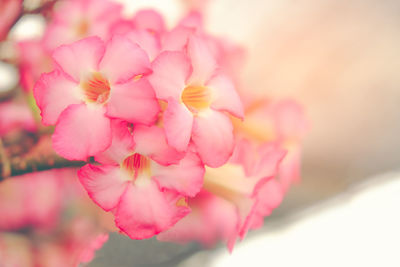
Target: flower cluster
180,149
169,141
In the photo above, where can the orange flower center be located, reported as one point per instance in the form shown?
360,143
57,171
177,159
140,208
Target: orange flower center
82,28
137,165
96,89
196,98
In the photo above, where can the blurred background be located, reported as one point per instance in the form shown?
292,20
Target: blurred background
341,60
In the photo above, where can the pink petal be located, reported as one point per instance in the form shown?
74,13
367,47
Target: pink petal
203,62
80,58
147,41
122,144
213,137
104,184
212,218
145,211
185,178
134,101
150,20
151,141
225,97
53,93
270,197
170,71
14,117
123,60
178,122
177,39
289,170
81,131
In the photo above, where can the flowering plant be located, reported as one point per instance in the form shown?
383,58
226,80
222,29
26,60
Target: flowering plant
154,122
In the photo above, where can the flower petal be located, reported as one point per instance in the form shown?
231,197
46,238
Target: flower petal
177,39
225,97
80,58
81,131
123,60
203,61
178,122
213,137
170,71
122,144
150,20
134,102
104,184
145,210
147,41
151,141
185,178
53,93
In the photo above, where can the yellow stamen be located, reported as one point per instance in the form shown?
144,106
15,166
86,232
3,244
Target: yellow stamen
96,89
196,98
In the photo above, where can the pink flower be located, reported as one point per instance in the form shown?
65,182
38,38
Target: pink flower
93,83
9,11
235,197
15,116
143,181
34,60
198,97
283,122
145,29
76,19
32,200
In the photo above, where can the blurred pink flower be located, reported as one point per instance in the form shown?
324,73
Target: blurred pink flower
143,181
76,19
36,204
34,60
15,116
281,121
9,11
93,83
235,198
197,96
145,29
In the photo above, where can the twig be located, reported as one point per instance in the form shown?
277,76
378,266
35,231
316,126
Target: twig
19,166
13,161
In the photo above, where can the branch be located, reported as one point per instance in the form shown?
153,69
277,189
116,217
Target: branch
40,158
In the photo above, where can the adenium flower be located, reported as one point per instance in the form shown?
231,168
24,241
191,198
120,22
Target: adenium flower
145,29
235,198
15,116
198,97
93,83
73,20
283,122
143,181
34,60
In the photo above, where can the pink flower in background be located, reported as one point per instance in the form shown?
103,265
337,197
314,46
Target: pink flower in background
9,11
93,83
38,203
198,97
283,122
34,60
15,116
76,19
143,181
236,197
145,29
